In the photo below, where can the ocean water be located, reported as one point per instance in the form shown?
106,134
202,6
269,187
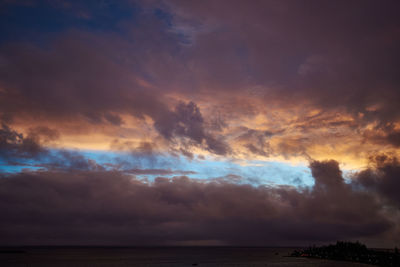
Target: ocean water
151,257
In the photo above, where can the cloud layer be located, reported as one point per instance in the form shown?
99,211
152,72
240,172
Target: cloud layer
112,208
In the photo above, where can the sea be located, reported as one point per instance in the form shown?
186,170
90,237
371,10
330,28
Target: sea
157,256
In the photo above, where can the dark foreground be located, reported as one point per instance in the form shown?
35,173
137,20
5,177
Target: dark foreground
167,256
352,252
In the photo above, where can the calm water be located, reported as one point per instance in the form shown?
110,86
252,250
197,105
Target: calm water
182,256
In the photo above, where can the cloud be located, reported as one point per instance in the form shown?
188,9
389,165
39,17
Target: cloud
279,56
19,150
187,121
79,75
98,207
383,179
341,55
15,145
386,134
87,76
256,141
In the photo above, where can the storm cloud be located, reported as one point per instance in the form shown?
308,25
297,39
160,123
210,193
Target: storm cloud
113,208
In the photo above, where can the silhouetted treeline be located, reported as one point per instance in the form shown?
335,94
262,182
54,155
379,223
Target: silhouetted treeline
350,251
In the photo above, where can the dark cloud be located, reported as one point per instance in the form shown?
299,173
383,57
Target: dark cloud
327,175
15,145
383,134
79,75
71,160
383,179
187,121
330,55
113,119
19,150
256,141
111,208
186,153
85,76
257,151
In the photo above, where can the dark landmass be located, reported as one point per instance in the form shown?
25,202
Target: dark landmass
354,252
12,251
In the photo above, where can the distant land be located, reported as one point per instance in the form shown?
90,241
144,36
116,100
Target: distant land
352,251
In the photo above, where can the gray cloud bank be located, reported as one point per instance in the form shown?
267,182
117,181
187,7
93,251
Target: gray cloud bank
97,207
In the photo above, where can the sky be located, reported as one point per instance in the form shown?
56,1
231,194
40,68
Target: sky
176,122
